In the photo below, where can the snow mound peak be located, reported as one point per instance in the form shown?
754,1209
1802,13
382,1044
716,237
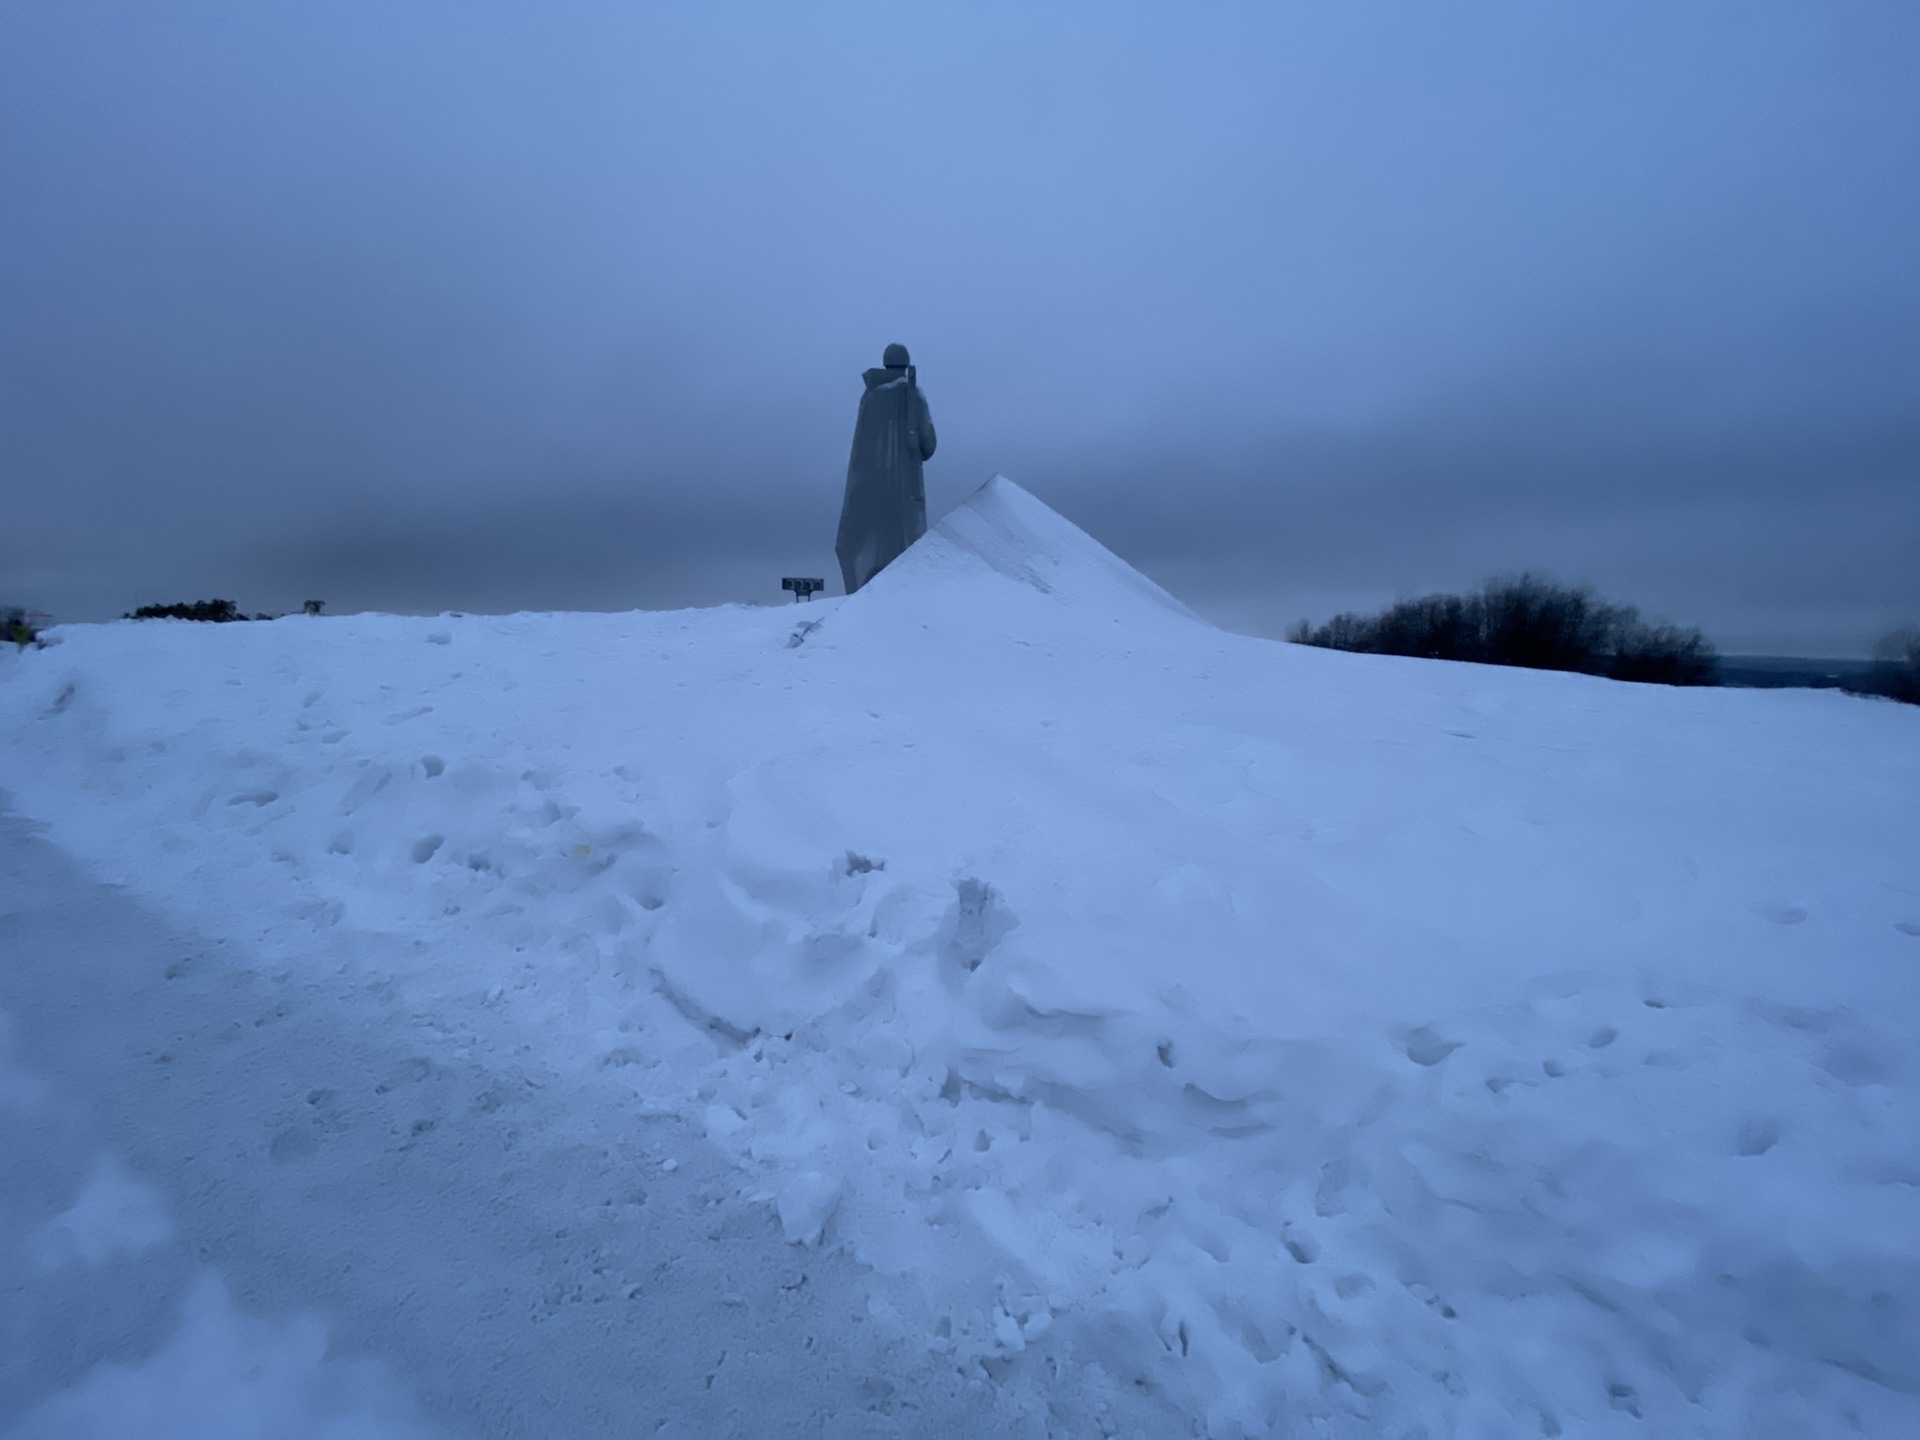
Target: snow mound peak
1002,533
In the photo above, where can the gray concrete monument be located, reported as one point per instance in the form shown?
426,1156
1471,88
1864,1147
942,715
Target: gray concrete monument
885,509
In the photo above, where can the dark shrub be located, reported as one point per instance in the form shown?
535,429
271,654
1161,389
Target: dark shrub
1530,621
215,610
15,626
1896,666
1343,632
1534,623
1663,655
1444,627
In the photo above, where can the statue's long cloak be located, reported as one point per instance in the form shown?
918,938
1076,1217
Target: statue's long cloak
885,509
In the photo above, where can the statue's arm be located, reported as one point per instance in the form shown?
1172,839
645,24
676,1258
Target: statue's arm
927,438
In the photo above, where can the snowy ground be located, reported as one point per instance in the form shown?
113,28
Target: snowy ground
997,1003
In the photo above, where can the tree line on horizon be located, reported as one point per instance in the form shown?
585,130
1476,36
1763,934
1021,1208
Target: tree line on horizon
1529,621
219,612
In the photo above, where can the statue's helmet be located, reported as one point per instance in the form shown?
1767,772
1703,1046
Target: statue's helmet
895,358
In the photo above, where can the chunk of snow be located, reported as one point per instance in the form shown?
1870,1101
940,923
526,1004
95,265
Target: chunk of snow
805,1204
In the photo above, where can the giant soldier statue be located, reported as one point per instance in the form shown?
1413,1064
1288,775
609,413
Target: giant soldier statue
885,509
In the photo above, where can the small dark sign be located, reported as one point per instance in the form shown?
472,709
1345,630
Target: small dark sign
802,587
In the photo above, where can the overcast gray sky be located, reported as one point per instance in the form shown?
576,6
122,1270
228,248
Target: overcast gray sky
1297,306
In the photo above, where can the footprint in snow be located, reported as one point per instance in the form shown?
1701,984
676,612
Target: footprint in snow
409,1072
1425,1046
1855,1065
1758,1136
295,1143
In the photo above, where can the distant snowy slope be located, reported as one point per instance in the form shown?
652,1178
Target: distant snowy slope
1300,1039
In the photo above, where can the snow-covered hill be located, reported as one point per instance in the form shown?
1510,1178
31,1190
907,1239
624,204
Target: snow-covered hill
1137,1020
